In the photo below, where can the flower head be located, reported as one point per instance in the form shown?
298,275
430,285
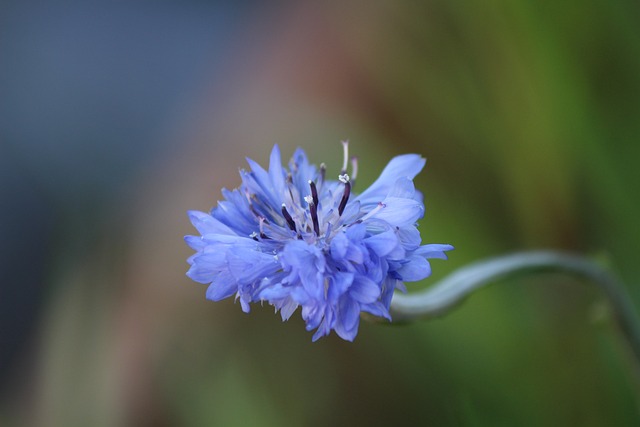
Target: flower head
296,239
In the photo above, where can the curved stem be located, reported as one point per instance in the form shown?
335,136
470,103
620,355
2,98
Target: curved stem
443,296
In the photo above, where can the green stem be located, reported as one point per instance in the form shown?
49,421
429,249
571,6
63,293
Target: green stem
443,296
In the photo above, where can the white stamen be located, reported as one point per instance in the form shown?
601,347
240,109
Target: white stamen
308,199
374,211
345,149
354,168
344,178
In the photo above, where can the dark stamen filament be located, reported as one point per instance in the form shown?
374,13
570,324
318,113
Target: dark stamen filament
345,197
262,222
314,192
287,217
313,209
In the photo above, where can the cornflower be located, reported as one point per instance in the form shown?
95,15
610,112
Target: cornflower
293,238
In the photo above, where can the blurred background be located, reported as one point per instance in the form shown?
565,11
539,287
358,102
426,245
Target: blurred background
117,117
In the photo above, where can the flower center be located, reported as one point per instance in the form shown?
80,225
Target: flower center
320,219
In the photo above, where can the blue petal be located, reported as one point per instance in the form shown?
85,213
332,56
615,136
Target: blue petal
244,303
339,284
234,212
409,238
434,250
356,233
259,182
384,243
275,292
200,275
248,265
339,245
405,166
288,308
276,172
205,266
205,223
355,254
400,212
225,240
223,286
376,309
364,290
403,188
195,242
312,315
416,269
307,264
388,286
301,171
348,318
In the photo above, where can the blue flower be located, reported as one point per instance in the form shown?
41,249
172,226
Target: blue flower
296,239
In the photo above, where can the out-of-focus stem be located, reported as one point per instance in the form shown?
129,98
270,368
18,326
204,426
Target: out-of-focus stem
443,296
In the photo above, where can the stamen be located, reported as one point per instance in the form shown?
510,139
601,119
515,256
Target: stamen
313,210
261,209
262,235
314,192
252,208
354,170
345,150
345,197
287,217
373,212
292,191
344,178
323,172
